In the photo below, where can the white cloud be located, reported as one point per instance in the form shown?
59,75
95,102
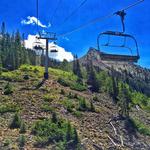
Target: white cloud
33,20
65,38
49,25
60,55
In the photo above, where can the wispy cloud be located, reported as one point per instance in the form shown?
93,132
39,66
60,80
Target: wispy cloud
34,21
65,38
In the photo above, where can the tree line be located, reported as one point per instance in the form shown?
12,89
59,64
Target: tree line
12,50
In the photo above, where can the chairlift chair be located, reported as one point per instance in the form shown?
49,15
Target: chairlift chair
38,47
118,57
53,49
112,34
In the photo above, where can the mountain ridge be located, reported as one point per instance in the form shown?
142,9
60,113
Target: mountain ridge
136,76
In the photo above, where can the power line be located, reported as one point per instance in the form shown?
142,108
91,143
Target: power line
73,12
87,24
132,5
59,1
100,19
37,14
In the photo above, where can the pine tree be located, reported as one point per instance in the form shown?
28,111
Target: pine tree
64,65
124,100
92,107
76,138
22,127
69,132
115,85
16,122
22,141
92,80
2,43
77,68
7,51
54,117
3,29
74,65
17,49
0,65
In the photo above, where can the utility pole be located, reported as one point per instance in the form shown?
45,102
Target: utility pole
48,36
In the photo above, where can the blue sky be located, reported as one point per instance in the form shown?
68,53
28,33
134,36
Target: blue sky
137,21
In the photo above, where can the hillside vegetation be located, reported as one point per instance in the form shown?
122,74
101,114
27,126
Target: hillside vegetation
67,113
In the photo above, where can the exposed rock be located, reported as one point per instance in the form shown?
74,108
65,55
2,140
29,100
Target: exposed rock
136,76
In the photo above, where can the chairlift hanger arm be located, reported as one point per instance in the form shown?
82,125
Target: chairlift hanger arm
47,36
122,15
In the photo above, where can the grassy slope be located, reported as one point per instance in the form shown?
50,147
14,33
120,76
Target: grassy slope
35,104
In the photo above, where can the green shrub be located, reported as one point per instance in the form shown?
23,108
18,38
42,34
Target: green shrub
8,108
22,140
140,99
61,146
22,127
63,82
141,128
74,85
54,117
36,70
33,71
49,98
78,87
69,132
95,98
68,105
25,68
62,92
8,89
7,142
47,108
76,137
82,105
78,114
66,75
41,141
11,76
70,95
49,131
26,77
76,96
92,107
0,70
16,122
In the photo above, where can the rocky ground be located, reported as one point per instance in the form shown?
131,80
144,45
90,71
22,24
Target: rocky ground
99,130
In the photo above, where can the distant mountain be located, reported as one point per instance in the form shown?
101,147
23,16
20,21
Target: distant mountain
136,76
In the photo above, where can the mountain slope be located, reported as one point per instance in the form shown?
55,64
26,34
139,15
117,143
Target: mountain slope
137,77
98,128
